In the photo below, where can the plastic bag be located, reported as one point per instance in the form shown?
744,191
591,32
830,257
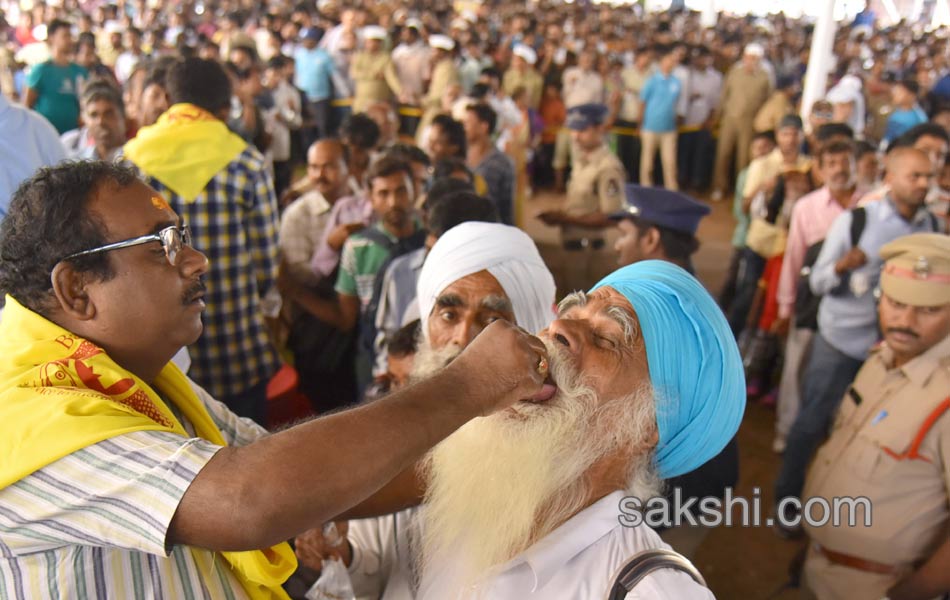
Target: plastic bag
334,582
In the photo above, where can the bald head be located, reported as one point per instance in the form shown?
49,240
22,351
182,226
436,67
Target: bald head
909,173
326,168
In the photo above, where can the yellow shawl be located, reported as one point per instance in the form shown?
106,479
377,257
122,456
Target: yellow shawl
60,393
184,149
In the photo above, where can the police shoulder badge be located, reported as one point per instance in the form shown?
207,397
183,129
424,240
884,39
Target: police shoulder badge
613,188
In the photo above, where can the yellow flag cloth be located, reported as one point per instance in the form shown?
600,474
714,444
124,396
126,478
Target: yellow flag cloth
184,149
60,393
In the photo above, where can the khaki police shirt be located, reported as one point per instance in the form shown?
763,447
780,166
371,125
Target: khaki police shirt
444,75
530,80
866,455
375,79
596,185
743,93
772,112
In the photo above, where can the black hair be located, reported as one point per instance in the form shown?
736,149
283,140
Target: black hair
485,114
863,147
765,135
386,166
835,146
447,166
101,89
443,186
410,153
200,82
55,25
454,131
277,62
677,245
910,137
446,211
405,341
829,130
360,130
49,220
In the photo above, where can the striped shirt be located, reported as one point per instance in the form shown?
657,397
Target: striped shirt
234,222
94,524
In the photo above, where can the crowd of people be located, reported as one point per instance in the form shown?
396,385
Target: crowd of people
200,198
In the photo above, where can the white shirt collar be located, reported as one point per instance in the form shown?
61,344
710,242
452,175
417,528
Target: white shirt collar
546,557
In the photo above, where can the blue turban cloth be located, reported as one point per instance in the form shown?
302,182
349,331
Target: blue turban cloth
694,363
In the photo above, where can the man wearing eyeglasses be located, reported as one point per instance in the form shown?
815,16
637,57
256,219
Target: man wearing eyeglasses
120,477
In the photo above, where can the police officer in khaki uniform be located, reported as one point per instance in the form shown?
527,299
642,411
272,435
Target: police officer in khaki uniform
373,71
595,190
444,75
523,75
891,444
744,91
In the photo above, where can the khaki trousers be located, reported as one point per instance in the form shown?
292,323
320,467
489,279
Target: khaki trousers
735,139
666,141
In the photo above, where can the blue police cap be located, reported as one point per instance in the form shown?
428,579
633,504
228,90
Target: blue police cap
662,207
582,116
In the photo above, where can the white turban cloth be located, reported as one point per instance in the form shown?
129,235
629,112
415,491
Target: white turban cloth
507,253
849,89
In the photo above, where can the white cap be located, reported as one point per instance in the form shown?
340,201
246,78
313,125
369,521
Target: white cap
374,32
112,26
754,49
39,32
458,23
526,52
442,42
414,23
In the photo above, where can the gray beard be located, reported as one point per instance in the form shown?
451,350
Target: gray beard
503,482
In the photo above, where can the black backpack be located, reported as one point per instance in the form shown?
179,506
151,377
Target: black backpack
806,301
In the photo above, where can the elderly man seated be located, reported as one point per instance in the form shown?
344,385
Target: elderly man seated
526,503
119,477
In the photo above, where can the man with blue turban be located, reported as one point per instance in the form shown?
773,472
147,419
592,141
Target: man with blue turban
527,503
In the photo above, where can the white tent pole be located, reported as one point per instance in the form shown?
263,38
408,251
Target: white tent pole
820,58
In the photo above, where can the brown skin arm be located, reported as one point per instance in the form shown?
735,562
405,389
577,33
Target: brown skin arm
255,496
299,478
929,581
404,491
30,96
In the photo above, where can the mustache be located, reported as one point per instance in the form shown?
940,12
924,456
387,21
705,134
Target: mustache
193,291
909,332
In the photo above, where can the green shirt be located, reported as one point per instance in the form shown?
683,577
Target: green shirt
57,88
360,260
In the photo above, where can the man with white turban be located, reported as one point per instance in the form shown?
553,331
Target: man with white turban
475,274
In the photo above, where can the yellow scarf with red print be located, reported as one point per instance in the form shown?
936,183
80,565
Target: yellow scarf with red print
60,393
184,149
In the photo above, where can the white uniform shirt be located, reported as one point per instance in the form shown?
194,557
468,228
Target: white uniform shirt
577,561
702,95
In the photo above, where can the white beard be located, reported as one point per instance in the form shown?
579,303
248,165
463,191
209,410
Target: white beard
503,482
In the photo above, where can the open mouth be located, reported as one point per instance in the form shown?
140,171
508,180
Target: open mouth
548,392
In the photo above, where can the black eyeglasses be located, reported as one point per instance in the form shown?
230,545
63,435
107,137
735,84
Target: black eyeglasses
171,238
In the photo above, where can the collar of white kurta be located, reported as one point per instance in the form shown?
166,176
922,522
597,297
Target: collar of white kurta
549,555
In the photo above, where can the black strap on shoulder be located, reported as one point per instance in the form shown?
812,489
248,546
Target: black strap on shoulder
645,563
859,218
